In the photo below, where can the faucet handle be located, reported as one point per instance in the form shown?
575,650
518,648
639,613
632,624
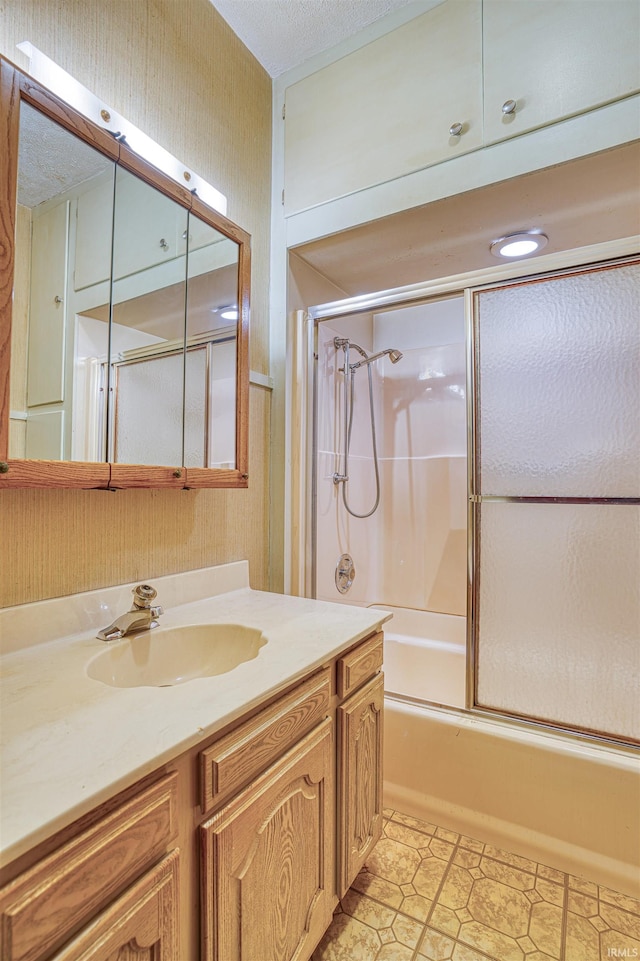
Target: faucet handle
143,594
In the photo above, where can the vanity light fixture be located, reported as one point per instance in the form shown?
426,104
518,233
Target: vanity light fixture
523,243
47,72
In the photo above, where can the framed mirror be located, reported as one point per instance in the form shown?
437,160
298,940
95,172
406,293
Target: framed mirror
124,316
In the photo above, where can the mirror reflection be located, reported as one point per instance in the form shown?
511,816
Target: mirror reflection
124,337
58,177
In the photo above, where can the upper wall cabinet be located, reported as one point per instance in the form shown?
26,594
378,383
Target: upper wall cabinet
465,74
123,342
547,61
407,100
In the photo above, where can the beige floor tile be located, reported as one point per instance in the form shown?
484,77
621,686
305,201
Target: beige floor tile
405,834
411,822
472,844
394,952
551,874
407,930
378,888
623,921
427,894
466,858
582,942
620,900
545,929
514,859
435,946
582,904
415,906
456,888
497,906
447,835
507,874
365,909
428,877
444,919
348,940
548,891
462,952
613,944
393,861
585,887
491,942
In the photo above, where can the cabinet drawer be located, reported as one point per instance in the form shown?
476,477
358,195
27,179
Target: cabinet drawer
47,904
236,758
358,665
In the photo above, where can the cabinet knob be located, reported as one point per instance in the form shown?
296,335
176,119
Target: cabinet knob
163,243
455,129
509,107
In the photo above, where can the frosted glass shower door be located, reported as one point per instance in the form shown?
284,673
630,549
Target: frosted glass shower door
556,494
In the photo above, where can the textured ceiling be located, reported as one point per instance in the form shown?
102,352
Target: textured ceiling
50,159
284,33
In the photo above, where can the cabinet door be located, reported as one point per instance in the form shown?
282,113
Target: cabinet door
360,778
142,925
386,109
555,59
267,869
45,365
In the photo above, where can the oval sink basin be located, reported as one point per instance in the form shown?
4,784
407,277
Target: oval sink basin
160,658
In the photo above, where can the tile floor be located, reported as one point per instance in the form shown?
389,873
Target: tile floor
427,894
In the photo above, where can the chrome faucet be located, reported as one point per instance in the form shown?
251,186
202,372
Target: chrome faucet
141,617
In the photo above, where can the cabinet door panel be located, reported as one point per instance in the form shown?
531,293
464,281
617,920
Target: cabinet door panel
142,925
555,59
360,778
47,904
268,859
386,109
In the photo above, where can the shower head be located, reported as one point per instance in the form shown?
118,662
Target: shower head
394,357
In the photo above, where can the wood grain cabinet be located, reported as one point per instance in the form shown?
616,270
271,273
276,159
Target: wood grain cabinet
267,860
360,778
59,895
264,841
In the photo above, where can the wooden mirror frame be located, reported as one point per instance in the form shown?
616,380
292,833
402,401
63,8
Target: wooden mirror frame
15,86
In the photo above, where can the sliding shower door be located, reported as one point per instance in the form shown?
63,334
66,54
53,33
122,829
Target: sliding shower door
556,500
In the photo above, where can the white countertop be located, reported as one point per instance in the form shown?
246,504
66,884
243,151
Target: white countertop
68,742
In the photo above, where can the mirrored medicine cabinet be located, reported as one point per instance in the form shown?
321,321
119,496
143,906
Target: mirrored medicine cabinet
124,312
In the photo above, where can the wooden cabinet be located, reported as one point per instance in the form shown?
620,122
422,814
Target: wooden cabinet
360,739
386,109
555,60
142,925
266,844
53,900
267,860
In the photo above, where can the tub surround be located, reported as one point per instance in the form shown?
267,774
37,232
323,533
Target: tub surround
69,742
566,803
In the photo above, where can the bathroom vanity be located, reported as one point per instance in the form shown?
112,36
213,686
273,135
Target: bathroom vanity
220,818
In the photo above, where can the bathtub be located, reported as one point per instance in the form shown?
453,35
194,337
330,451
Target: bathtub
565,802
425,655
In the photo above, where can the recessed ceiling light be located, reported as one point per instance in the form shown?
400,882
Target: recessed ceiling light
229,313
521,244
